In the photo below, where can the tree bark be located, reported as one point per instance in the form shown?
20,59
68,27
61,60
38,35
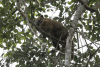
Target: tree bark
74,23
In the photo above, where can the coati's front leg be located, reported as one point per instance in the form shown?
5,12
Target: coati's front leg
56,45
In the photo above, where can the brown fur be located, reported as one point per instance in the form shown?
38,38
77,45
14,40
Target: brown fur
54,28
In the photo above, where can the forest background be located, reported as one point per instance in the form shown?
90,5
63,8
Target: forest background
22,45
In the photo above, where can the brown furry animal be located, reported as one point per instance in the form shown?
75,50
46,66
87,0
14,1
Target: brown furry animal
54,28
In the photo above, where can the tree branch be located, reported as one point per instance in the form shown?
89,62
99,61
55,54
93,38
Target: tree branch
72,29
87,7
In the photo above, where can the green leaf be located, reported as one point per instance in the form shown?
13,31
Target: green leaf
1,40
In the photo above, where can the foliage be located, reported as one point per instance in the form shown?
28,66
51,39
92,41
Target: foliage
24,46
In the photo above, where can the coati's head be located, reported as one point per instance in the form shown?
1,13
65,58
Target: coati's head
39,20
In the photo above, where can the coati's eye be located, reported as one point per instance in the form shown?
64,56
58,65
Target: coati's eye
39,21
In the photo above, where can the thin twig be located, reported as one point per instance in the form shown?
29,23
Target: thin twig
91,56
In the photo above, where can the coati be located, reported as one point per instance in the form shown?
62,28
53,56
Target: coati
54,28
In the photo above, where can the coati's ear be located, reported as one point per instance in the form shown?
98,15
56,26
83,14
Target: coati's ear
42,16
